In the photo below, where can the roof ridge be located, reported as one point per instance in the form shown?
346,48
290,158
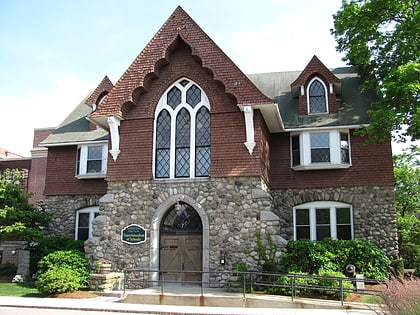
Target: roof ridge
179,25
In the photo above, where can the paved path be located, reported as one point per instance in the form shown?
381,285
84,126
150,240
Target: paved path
111,304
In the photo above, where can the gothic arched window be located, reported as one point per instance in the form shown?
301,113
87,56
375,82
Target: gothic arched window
317,97
182,132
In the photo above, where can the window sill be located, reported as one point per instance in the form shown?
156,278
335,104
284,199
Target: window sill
320,167
91,176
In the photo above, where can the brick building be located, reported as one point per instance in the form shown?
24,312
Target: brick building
200,156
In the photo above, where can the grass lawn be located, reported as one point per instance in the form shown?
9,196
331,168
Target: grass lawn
18,289
7,288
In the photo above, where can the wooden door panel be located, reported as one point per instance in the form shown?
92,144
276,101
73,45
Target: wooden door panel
181,252
170,257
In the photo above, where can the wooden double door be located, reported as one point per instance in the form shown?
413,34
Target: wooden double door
181,258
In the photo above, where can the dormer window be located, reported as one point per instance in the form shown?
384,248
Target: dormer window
317,97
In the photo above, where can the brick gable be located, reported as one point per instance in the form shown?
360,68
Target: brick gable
102,89
148,63
315,68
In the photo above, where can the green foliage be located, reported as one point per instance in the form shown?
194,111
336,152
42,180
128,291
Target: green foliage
18,218
266,254
380,38
417,267
332,283
48,245
18,289
325,283
66,259
407,197
58,280
332,254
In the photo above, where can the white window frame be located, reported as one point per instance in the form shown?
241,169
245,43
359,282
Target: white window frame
335,150
308,97
173,113
82,173
312,206
92,211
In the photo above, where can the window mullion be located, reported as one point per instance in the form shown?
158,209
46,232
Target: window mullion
305,148
335,147
172,146
333,222
312,222
83,159
192,143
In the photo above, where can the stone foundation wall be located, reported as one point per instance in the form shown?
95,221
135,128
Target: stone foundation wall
232,210
374,213
63,209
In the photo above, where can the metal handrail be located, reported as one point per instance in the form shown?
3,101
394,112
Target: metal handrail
249,281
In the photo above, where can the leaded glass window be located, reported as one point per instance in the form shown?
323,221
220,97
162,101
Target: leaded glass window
182,144
202,143
182,132
181,218
174,97
317,97
320,147
163,141
193,95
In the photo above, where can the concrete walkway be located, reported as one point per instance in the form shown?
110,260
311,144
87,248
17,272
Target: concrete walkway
107,304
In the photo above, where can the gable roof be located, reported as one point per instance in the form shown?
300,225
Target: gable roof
214,60
353,102
75,128
103,88
315,66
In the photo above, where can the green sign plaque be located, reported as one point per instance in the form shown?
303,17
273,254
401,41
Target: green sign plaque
133,234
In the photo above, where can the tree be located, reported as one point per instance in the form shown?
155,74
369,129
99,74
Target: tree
380,38
19,220
407,197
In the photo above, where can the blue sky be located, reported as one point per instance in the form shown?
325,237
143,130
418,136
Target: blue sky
53,52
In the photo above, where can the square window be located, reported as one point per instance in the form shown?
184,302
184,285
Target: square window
91,161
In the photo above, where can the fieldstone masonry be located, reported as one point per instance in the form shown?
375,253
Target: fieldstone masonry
63,209
374,214
231,209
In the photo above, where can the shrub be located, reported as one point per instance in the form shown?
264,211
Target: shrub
332,281
51,244
331,254
58,280
402,297
417,267
66,259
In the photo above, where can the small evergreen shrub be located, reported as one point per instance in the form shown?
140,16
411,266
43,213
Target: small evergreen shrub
58,280
334,283
334,255
66,259
51,244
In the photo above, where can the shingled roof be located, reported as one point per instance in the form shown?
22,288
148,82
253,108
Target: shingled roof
353,103
179,25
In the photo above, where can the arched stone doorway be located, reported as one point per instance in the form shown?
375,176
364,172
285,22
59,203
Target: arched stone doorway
181,239
155,233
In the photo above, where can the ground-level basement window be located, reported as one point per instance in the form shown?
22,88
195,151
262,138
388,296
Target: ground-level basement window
84,218
319,220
